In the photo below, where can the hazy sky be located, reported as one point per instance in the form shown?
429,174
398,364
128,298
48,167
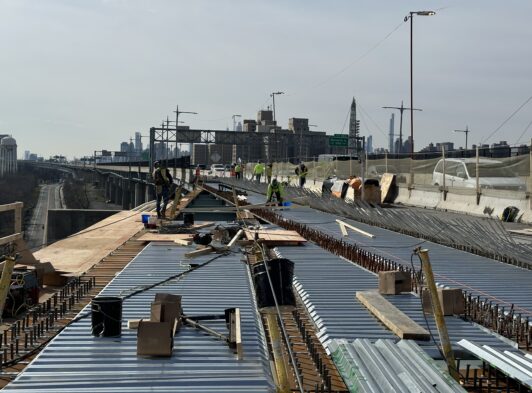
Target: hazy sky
78,76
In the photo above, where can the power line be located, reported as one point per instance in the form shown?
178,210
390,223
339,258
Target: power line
341,71
524,131
363,111
508,119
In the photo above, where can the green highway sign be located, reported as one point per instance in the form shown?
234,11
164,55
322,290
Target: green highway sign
340,140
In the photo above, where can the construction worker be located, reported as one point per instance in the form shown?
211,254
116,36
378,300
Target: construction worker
269,173
238,171
301,172
258,171
277,189
162,179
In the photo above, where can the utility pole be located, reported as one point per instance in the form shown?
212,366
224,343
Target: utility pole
273,97
401,109
466,132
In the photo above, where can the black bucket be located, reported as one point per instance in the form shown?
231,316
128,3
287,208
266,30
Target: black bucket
106,316
281,273
188,218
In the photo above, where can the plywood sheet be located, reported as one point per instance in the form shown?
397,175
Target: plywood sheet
79,252
393,318
387,184
276,236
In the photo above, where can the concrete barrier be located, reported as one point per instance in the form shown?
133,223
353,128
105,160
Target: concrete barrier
65,222
465,201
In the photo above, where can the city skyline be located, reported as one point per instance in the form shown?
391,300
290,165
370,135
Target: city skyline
97,79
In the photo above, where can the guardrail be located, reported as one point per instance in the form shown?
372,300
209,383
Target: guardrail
17,230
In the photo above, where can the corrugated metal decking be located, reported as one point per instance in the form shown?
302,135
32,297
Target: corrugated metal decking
77,362
331,282
459,269
500,282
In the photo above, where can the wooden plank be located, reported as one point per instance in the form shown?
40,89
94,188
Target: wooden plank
393,318
197,253
354,229
165,237
10,238
11,206
277,236
343,230
244,214
5,281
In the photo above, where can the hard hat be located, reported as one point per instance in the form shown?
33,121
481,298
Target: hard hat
156,163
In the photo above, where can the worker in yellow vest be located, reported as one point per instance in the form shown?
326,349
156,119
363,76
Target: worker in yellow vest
275,188
258,171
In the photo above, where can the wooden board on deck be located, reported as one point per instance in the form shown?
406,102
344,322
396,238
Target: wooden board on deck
79,252
167,237
276,237
393,318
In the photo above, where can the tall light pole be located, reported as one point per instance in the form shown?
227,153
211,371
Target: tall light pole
273,97
401,110
177,113
466,132
411,17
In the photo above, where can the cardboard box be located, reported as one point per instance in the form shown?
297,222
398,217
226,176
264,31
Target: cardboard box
167,308
394,282
155,338
452,301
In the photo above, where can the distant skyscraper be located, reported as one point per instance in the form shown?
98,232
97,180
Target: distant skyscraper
138,142
391,134
369,144
239,126
353,131
8,155
124,146
26,155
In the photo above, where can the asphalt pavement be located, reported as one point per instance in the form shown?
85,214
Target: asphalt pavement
49,198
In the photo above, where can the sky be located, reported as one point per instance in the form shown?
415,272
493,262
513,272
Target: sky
84,75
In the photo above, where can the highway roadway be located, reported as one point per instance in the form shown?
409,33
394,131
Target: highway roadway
49,198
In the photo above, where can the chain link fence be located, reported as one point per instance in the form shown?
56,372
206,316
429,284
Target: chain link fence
477,172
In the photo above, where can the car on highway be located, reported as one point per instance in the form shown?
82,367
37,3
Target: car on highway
217,169
461,172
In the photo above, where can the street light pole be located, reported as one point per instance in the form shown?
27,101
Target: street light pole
411,17
273,97
466,132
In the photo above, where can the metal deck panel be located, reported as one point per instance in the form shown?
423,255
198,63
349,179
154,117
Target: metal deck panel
76,361
331,283
505,284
